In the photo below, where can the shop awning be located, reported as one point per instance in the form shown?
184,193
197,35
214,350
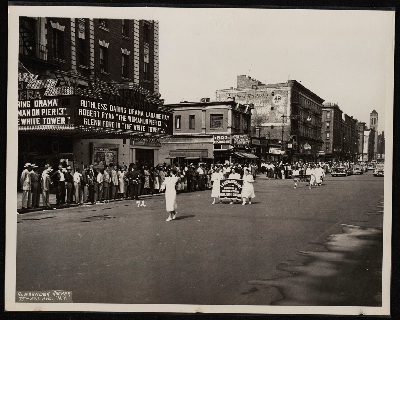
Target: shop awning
244,155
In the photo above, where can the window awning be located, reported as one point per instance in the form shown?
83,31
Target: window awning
192,153
244,155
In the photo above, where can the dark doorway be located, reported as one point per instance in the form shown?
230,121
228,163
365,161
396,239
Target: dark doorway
145,157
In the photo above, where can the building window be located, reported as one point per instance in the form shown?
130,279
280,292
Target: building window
177,122
192,124
146,65
328,125
125,27
327,147
146,33
27,36
102,23
103,59
125,65
328,115
327,135
58,44
216,121
146,71
82,52
237,121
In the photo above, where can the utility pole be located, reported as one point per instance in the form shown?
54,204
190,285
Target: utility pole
283,131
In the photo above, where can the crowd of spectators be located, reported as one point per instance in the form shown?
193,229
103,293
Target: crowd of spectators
105,183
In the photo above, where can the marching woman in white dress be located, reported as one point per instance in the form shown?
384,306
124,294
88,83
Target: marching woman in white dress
169,185
216,177
248,188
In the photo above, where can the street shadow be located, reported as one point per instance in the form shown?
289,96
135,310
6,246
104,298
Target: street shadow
184,217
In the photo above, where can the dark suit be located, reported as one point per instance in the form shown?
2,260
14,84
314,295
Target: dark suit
60,196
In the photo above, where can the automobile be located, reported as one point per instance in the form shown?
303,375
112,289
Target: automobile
370,167
357,170
339,171
379,171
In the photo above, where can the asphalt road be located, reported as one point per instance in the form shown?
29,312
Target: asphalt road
271,252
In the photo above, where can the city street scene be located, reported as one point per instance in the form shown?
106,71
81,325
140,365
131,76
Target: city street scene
234,159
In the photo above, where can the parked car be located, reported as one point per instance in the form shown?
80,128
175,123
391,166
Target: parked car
379,172
339,171
357,170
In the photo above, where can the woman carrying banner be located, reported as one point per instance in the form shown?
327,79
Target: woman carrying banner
216,177
169,185
248,188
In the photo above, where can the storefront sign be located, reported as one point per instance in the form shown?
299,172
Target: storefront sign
241,140
222,139
153,142
231,189
274,150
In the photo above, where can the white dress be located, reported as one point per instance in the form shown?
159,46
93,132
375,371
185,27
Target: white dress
170,192
216,178
248,188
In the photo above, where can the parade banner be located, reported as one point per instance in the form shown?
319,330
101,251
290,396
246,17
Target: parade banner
231,189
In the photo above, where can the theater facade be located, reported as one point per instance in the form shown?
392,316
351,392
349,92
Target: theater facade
88,92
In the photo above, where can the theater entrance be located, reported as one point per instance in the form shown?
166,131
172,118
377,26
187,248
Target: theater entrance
144,157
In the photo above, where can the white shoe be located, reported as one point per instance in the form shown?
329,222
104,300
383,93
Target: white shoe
168,219
174,215
249,202
231,202
244,203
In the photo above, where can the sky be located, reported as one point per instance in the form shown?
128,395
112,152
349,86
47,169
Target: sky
344,56
339,55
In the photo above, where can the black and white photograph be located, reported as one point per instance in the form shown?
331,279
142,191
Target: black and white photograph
209,160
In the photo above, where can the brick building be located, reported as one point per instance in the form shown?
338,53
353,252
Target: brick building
92,86
208,131
339,133
286,121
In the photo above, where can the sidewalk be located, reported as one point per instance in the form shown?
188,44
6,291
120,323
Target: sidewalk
53,202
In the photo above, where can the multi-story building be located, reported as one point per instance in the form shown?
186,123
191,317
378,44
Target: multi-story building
208,131
366,142
373,124
381,146
286,121
89,91
339,133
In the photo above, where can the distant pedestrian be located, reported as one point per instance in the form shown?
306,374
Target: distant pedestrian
169,185
248,188
216,178
25,182
46,185
35,187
